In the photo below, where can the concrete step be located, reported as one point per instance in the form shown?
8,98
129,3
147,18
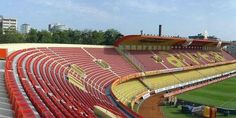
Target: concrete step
3,91
2,80
2,75
3,95
2,71
2,87
2,84
2,64
5,105
6,113
2,116
4,99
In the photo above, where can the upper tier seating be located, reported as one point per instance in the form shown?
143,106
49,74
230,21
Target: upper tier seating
179,58
145,58
46,92
112,57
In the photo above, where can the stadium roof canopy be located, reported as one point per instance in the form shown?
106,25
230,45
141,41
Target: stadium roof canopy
161,40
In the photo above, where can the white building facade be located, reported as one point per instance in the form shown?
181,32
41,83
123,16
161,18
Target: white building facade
56,27
8,24
25,28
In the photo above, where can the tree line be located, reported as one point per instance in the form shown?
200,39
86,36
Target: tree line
94,37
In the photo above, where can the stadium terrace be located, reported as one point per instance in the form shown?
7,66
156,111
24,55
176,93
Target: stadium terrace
86,81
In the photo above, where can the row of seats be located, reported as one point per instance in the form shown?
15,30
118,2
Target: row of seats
57,103
37,82
223,68
127,90
186,76
164,80
145,58
178,58
42,74
160,81
17,98
112,57
208,71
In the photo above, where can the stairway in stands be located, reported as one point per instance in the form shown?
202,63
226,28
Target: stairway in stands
5,106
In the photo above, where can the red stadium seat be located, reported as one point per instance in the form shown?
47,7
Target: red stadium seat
42,73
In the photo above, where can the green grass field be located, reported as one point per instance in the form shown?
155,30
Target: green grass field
173,112
220,94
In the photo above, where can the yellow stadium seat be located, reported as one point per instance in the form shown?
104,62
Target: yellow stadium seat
164,80
127,90
188,75
160,81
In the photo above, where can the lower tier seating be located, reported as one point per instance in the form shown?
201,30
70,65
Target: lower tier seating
160,81
127,90
188,75
68,82
38,83
164,80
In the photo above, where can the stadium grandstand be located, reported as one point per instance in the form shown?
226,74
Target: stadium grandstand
67,80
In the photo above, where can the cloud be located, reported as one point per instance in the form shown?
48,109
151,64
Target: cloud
149,6
146,6
71,6
224,4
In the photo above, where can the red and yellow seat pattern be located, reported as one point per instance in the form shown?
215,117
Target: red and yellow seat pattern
179,58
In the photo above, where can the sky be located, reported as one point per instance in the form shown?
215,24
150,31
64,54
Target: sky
178,17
